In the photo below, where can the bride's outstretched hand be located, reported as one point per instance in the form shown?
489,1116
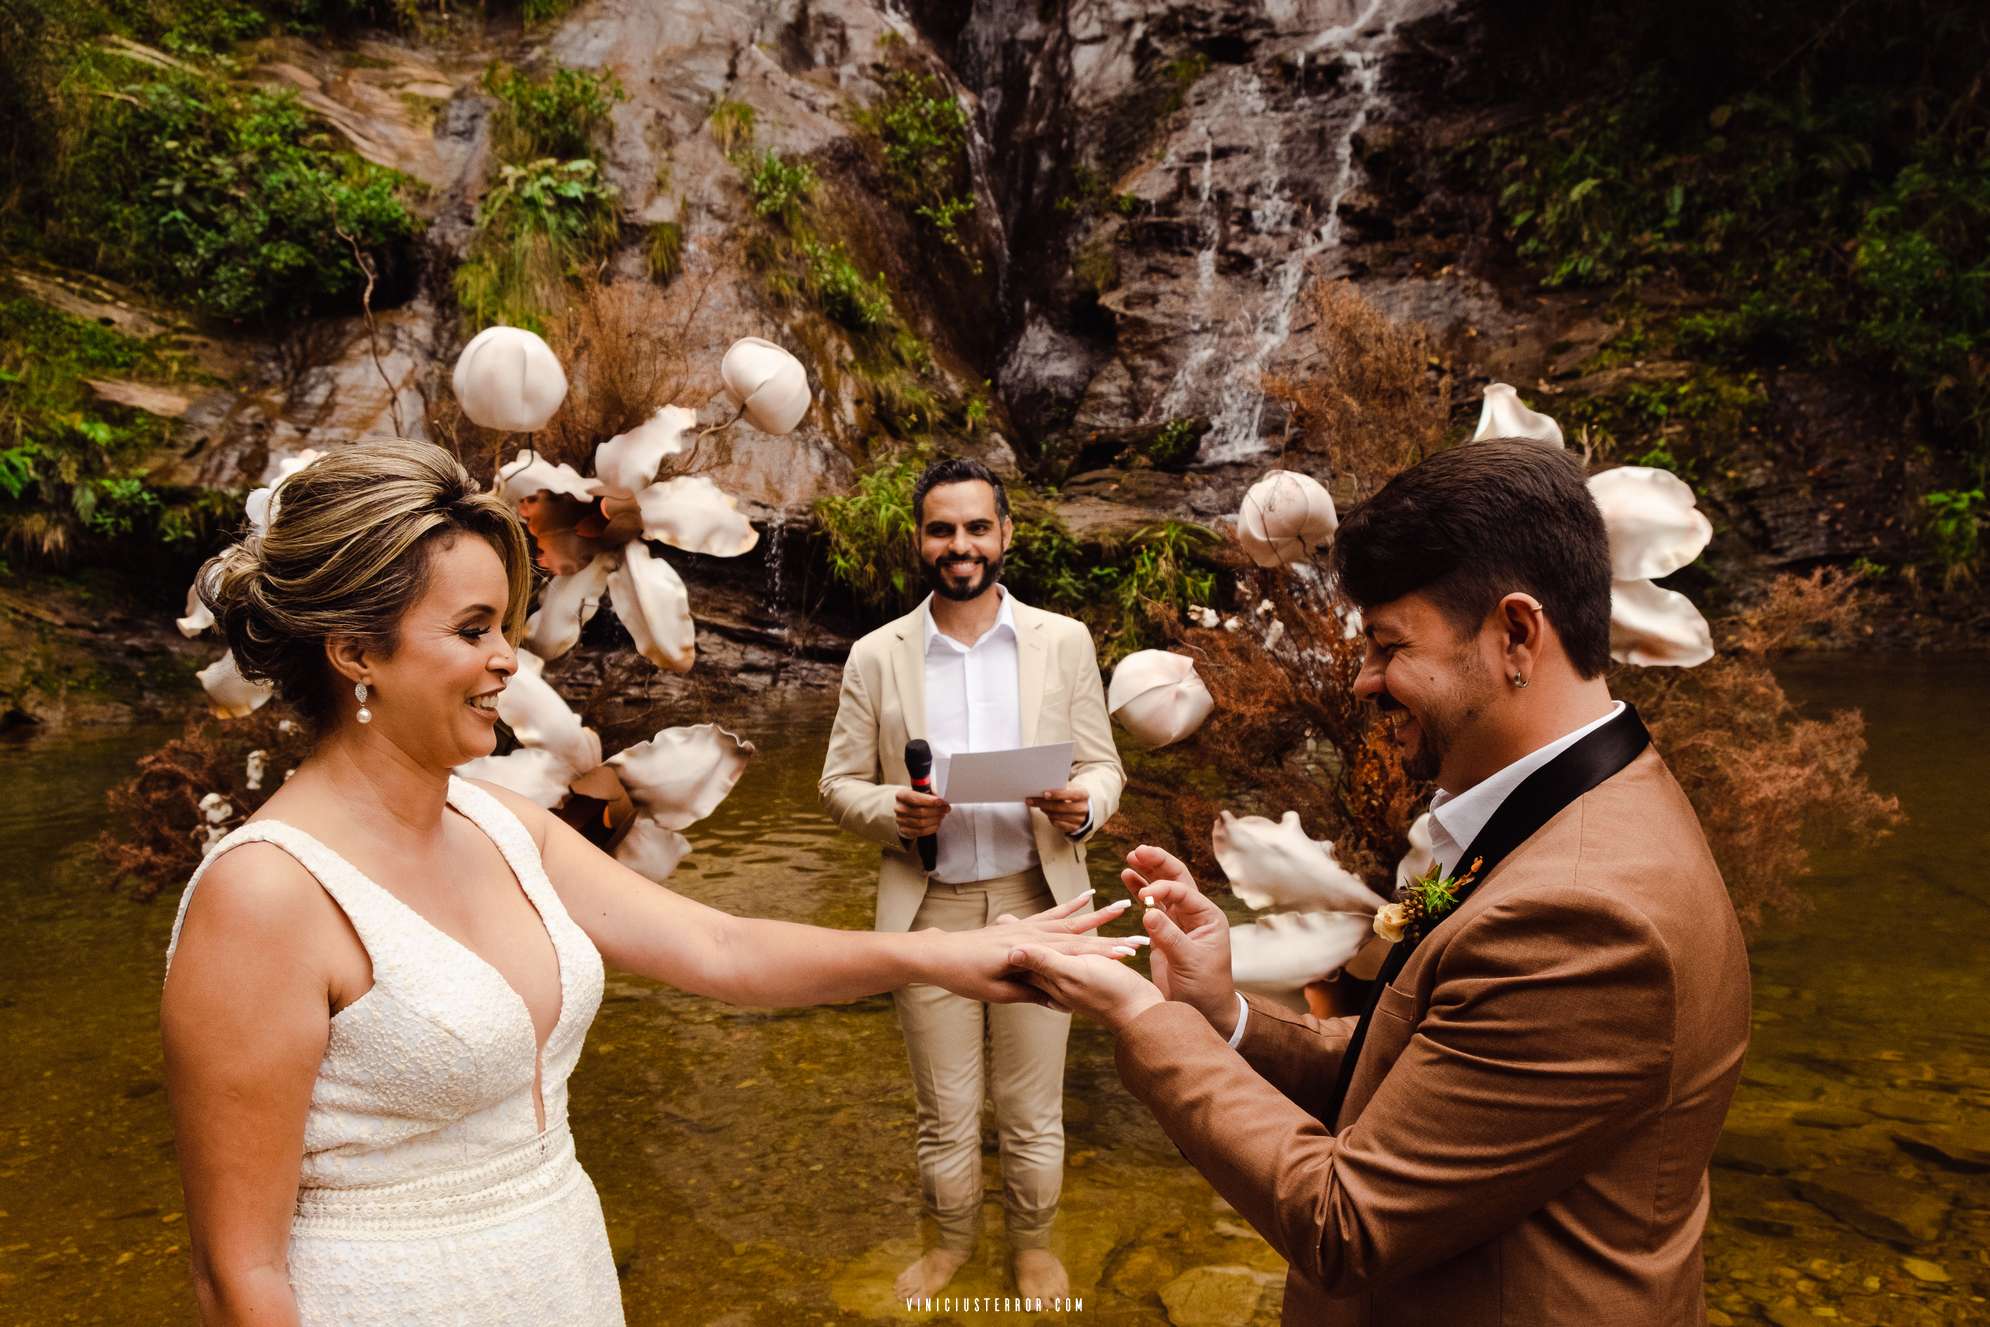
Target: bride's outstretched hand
977,963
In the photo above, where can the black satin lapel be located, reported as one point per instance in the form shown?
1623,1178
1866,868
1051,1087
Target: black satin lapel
1540,797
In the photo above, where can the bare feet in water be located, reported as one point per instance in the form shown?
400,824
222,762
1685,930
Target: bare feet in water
1040,1276
930,1274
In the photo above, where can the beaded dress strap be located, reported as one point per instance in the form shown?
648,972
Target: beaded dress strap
357,896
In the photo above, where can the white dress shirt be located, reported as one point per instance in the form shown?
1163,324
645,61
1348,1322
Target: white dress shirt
1457,818
974,703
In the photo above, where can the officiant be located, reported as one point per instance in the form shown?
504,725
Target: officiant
971,670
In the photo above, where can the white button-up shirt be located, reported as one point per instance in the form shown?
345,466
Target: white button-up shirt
1457,818
974,703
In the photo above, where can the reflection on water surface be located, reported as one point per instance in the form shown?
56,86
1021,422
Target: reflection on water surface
756,1166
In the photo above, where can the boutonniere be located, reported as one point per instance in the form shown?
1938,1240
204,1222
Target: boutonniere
1422,901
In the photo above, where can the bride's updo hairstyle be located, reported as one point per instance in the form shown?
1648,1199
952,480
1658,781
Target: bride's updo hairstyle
345,552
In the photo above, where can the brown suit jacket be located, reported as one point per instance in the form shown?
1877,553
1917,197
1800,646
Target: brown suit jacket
1527,1133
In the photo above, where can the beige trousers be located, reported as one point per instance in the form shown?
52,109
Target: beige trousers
943,1039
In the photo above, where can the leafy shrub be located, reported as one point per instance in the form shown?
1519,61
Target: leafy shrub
845,294
779,188
557,114
872,536
229,198
922,129
533,227
1955,519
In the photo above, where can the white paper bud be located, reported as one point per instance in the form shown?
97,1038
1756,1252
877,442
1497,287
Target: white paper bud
1286,518
767,382
509,379
1158,697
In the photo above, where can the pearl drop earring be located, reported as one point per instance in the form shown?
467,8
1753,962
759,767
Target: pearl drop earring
359,690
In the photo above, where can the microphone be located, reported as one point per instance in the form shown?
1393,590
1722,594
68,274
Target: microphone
919,769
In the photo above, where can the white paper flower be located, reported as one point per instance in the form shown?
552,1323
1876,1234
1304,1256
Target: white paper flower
591,532
1286,518
1503,416
509,379
649,792
253,770
1278,954
1655,528
1158,697
766,382
1273,864
229,694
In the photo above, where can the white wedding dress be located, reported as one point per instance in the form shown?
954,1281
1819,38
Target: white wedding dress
428,1194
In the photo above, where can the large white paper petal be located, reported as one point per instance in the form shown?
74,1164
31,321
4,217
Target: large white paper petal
1158,697
538,717
1655,528
198,619
257,505
566,604
1286,518
652,851
680,776
653,604
509,379
229,694
767,382
537,775
1422,854
1273,864
528,473
627,463
1503,416
692,513
1655,627
1278,954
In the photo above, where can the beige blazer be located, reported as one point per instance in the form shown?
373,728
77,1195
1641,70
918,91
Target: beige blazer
883,706
1527,1134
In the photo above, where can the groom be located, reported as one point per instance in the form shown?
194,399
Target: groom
1518,1128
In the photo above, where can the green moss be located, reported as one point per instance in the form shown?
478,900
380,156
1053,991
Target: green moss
72,465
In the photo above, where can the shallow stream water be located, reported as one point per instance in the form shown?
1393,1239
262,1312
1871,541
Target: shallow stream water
756,1166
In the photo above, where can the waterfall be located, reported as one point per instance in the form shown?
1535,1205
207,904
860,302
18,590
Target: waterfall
774,558
1238,325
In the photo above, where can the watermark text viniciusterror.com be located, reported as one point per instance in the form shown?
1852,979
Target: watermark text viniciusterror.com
993,1304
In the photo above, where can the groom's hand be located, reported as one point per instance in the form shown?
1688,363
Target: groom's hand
977,964
1191,936
1086,984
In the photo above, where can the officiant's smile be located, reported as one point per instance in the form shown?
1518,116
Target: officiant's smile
962,540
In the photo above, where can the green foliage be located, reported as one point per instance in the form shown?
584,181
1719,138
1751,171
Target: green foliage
534,226
1174,444
922,129
872,536
1955,522
556,115
845,294
1181,75
1821,188
780,188
1125,598
229,198
71,465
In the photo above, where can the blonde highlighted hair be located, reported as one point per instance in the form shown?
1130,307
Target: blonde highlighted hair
346,552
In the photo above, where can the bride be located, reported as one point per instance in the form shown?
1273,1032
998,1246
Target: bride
378,985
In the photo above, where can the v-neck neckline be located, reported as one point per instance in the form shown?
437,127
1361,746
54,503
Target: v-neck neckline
559,962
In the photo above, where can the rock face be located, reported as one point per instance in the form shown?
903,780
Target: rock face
1880,1206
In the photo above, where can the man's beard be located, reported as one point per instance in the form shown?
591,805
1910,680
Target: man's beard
991,572
1439,727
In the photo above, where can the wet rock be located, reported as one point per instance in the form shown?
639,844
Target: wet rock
1139,1270
1830,1117
1963,1148
1757,1151
1213,1296
1790,1315
1907,1110
1881,1206
1923,1270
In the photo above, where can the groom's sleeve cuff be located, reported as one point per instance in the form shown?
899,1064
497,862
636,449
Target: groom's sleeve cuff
1243,1017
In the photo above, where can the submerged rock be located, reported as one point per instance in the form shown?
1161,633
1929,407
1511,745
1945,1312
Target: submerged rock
1881,1206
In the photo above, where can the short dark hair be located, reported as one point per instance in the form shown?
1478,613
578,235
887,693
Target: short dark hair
1471,525
955,470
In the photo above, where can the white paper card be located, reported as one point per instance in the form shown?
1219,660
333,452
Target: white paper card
972,777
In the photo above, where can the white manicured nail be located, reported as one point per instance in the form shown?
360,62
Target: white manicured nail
1115,907
1122,953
